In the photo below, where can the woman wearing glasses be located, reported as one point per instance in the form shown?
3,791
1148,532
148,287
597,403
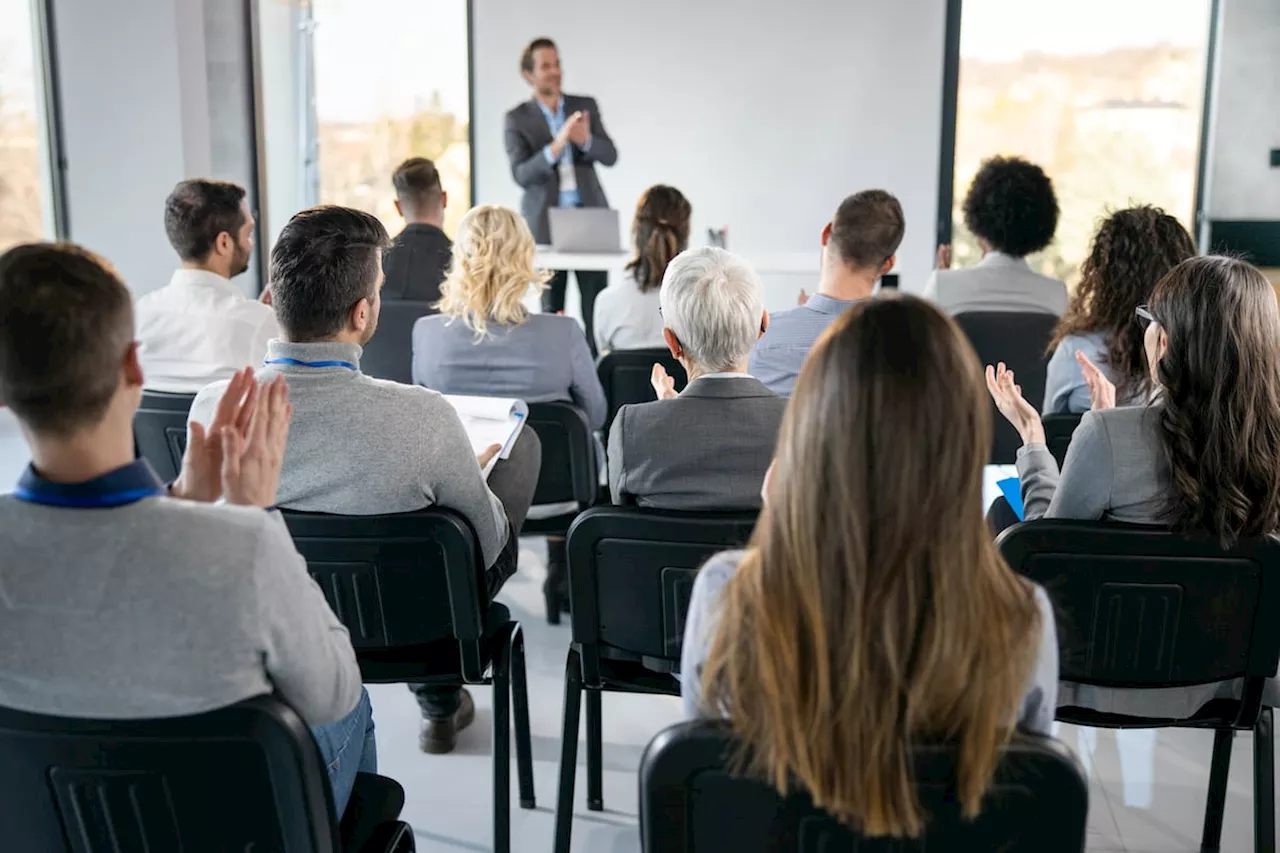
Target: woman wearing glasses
1204,455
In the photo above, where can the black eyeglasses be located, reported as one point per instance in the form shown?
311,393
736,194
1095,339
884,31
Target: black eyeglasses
1145,317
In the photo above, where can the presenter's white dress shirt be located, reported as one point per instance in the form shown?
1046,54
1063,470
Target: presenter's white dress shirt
199,329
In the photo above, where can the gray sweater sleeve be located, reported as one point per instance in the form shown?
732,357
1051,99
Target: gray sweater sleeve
585,389
451,477
1083,489
699,629
307,651
1040,699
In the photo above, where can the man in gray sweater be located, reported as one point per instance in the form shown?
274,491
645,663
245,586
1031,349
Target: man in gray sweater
124,598
365,446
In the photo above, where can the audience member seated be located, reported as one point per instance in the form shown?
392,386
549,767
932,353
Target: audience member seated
1132,251
124,599
706,448
626,312
1202,456
201,328
485,342
1012,210
364,446
419,256
858,247
870,610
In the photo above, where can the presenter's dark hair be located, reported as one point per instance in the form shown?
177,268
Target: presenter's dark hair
66,323
867,228
325,261
197,211
526,58
660,232
1220,381
1011,205
417,184
1133,249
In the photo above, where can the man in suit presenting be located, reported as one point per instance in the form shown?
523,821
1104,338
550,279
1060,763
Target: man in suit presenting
553,141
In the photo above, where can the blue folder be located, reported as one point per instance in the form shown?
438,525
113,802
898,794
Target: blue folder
1011,488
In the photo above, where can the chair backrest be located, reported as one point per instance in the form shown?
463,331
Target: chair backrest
625,377
631,573
1019,340
570,470
399,581
1058,430
246,777
160,431
389,353
690,802
1143,607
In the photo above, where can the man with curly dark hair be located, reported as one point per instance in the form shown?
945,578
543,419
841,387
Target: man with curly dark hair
1012,209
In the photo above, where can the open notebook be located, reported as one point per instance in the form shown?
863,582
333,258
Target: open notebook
490,420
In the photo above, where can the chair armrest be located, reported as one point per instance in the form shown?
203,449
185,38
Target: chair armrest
390,837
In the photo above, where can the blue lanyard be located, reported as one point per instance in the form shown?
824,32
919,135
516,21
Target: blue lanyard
102,501
296,363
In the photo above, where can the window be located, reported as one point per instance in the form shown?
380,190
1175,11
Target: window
1105,95
391,81
22,206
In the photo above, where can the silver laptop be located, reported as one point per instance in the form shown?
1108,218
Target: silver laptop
584,229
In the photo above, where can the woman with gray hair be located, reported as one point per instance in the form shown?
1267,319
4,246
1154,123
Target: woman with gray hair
708,447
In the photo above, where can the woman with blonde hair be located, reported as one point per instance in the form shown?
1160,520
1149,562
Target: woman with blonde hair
871,610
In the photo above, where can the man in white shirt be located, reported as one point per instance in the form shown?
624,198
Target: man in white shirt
201,328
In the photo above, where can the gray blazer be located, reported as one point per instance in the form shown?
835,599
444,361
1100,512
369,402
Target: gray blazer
544,358
1115,470
707,449
525,133
998,282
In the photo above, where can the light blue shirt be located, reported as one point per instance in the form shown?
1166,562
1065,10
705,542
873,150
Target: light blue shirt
555,121
780,353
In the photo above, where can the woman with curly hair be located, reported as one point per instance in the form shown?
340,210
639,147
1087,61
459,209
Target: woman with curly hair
1012,210
1132,250
1202,456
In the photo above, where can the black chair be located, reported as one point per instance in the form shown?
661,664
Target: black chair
631,573
410,589
624,374
245,777
570,470
1020,340
389,353
1058,430
1140,607
160,431
690,802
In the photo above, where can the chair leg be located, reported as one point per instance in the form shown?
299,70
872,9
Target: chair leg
524,743
502,749
595,753
568,750
1219,767
1264,783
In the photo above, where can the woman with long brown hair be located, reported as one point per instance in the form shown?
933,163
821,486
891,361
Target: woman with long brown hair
871,610
1132,250
626,312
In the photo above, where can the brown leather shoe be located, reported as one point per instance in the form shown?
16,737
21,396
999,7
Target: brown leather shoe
439,737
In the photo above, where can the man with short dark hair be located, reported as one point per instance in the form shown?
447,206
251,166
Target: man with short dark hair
124,598
859,245
553,142
201,328
365,446
418,258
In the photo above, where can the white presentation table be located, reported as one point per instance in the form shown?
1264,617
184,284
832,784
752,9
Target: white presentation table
765,263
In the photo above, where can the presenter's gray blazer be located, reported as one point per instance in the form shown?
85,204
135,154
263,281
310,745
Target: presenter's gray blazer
525,133
707,449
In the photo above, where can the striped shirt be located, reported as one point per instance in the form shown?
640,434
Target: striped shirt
780,353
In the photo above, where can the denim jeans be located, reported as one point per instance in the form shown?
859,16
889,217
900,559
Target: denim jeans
348,747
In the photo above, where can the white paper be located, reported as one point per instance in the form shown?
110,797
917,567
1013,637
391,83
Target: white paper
489,421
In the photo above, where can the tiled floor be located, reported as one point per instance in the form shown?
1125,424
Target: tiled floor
1147,787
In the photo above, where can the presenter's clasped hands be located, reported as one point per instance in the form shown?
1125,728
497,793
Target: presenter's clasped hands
576,129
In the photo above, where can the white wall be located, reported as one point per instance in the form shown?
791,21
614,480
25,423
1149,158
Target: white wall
1247,122
764,114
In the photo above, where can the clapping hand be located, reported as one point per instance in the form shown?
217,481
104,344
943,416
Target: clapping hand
942,261
1007,394
201,475
579,125
663,385
251,464
803,298
1102,392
